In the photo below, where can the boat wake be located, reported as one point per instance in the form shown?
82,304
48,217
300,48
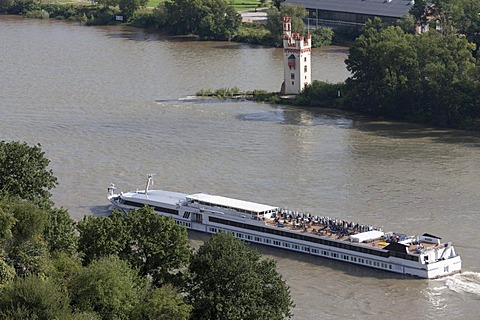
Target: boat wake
190,99
465,282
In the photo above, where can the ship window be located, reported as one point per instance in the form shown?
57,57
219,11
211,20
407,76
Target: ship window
166,210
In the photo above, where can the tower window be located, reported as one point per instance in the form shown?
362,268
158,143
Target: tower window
292,76
293,82
305,59
305,68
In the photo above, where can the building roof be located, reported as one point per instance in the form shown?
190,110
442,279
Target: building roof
381,8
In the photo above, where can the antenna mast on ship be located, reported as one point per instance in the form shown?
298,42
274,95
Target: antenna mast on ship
149,182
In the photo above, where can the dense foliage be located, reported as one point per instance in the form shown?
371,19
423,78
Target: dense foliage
431,78
107,286
243,286
452,16
322,94
133,266
139,238
24,172
209,19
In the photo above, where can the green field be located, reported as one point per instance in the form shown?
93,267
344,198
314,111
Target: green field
240,5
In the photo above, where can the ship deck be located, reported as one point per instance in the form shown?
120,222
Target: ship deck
325,231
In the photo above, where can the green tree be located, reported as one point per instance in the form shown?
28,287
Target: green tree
407,23
429,78
128,7
107,3
277,3
230,281
25,249
275,21
24,173
321,37
107,286
323,94
209,19
446,88
160,247
5,5
382,64
164,303
33,298
153,244
7,273
30,221
102,236
63,268
7,220
28,258
60,232
220,20
463,15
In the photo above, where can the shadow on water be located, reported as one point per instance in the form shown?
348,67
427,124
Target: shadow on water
195,99
402,130
301,117
100,211
339,266
139,35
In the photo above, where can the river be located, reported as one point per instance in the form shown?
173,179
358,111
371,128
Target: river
113,104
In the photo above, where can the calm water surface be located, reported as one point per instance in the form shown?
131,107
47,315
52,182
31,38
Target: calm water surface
113,104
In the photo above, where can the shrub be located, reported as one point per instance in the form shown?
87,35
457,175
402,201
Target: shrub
321,93
321,37
253,33
143,20
38,14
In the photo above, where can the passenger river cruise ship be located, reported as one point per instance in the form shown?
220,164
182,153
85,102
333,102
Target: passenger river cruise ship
424,256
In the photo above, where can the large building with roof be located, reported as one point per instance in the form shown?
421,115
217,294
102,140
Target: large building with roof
352,13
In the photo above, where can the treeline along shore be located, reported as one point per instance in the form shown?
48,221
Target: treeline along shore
431,78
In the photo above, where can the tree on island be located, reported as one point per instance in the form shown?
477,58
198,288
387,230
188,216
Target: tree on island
430,78
231,281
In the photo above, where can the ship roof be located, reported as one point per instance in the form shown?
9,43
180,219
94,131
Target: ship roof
231,203
156,196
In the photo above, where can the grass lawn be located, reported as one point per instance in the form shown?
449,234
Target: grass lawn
240,5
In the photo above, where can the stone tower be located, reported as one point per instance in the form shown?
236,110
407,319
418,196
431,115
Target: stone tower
297,51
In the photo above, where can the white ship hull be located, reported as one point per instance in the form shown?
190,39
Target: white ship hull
434,260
